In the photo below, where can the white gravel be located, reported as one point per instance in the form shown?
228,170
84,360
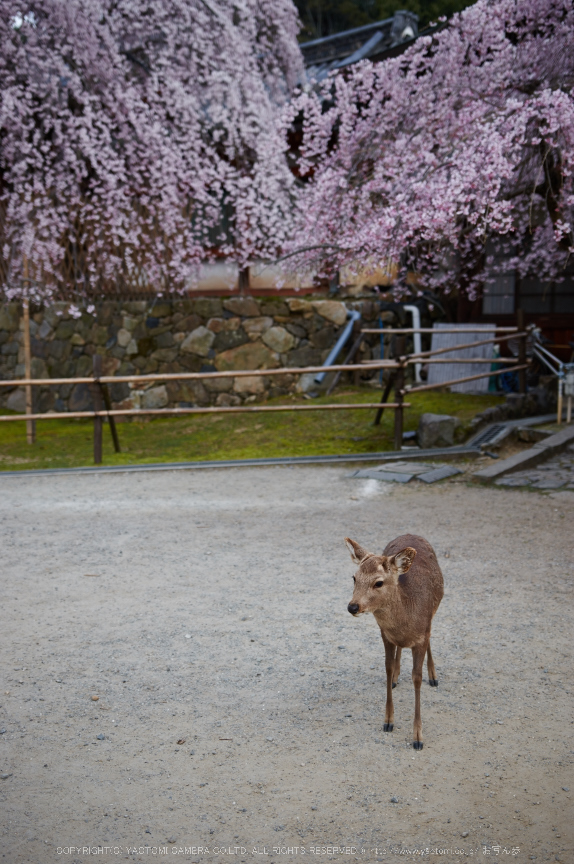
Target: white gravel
210,608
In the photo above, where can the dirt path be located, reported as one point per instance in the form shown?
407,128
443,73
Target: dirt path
209,609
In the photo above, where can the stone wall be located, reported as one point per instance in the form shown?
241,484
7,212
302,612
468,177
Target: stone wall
185,335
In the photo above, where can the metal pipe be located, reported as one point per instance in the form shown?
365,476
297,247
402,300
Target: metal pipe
416,316
353,316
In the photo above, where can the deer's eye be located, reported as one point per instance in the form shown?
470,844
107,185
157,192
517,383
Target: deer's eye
379,584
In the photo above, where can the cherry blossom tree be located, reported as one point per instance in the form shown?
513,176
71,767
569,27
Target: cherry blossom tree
138,138
469,135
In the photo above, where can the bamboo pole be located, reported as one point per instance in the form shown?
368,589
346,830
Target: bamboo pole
387,331
491,360
190,376
560,398
453,348
461,380
30,424
238,409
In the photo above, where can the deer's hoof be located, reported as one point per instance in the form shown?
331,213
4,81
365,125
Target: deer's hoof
433,682
418,745
394,684
388,727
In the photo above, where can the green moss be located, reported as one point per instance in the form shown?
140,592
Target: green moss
68,443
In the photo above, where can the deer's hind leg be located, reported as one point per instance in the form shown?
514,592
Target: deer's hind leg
433,680
397,667
418,660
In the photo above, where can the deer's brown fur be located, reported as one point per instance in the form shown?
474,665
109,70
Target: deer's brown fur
403,588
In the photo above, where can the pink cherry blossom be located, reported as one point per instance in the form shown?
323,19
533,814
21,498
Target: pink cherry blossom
421,159
137,139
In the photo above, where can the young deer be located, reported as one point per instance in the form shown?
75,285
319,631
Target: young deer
403,588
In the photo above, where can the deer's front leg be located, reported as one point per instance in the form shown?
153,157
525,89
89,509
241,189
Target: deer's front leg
390,652
397,669
418,659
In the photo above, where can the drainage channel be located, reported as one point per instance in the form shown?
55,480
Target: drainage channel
385,456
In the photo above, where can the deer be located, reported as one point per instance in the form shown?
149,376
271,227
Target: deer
403,588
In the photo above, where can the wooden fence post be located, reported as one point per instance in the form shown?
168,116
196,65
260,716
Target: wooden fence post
243,280
30,424
399,384
521,352
98,406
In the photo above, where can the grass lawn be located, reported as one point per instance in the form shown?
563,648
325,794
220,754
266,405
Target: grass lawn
69,443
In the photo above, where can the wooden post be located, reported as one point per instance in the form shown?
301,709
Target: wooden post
111,418
243,280
399,384
30,424
357,336
521,352
98,406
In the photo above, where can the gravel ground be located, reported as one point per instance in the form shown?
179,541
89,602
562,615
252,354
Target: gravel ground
181,677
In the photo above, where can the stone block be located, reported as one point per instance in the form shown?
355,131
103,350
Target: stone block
38,368
9,316
332,310
39,348
436,430
99,334
187,324
110,365
65,329
208,307
223,325
81,398
198,342
44,331
272,306
218,385
76,339
129,323
250,385
224,341
119,392
279,339
124,337
253,355
155,397
84,366
324,338
57,349
227,400
165,340
254,327
165,355
297,304
145,346
161,310
192,392
305,356
16,401
245,307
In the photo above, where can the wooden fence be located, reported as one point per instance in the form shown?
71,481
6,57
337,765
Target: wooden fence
398,366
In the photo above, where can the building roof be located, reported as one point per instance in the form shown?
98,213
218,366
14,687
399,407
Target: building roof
324,55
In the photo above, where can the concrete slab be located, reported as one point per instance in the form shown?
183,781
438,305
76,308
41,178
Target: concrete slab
440,473
540,452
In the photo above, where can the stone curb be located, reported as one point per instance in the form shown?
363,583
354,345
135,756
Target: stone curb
541,451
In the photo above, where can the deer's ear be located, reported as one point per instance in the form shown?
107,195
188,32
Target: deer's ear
402,561
357,552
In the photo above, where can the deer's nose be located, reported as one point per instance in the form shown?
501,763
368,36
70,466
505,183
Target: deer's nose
353,608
